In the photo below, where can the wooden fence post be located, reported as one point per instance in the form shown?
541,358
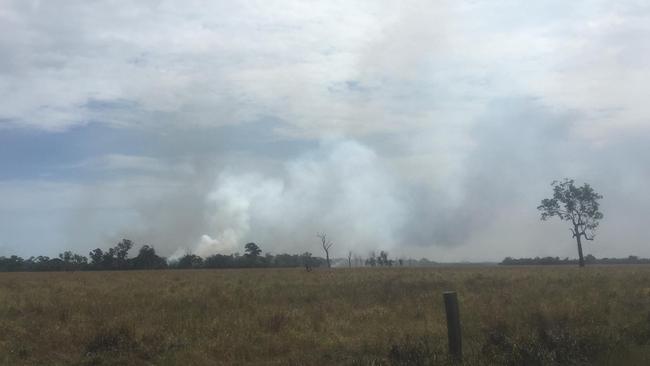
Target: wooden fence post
453,325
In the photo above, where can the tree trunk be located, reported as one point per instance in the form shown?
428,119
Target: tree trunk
327,256
581,259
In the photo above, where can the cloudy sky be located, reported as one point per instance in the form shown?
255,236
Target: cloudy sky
425,128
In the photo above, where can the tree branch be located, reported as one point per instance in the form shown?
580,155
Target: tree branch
572,232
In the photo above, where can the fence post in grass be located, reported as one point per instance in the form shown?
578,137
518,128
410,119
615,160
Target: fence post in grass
453,325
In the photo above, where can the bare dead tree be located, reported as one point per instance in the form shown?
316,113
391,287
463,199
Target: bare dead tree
350,259
327,244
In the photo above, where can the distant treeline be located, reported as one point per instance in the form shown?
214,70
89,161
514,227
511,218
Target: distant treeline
117,258
589,259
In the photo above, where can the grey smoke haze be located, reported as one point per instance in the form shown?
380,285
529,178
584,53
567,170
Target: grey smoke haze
424,129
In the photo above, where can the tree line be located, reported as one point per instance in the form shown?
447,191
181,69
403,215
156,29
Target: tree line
588,259
117,258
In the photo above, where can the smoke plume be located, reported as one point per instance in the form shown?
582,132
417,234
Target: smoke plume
341,189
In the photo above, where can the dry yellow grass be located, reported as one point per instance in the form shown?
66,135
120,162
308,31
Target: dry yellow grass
546,316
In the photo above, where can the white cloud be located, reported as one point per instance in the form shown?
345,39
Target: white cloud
214,63
137,164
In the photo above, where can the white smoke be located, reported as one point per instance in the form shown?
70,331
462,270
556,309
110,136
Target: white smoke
341,189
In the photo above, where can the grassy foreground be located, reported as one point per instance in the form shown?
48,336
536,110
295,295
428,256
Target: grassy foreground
390,316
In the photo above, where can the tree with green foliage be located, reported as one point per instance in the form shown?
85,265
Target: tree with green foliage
148,259
122,252
219,261
72,261
96,258
578,205
11,264
252,250
189,261
113,258
109,260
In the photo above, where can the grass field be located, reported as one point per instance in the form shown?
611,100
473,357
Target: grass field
390,316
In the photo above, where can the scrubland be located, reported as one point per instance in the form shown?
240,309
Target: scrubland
365,316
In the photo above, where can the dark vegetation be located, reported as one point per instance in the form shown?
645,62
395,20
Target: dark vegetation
589,259
117,258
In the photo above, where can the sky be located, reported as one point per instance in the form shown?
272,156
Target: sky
423,128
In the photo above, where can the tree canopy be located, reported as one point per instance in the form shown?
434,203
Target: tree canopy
252,250
578,205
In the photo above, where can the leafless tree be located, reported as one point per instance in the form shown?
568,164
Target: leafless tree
327,244
350,259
